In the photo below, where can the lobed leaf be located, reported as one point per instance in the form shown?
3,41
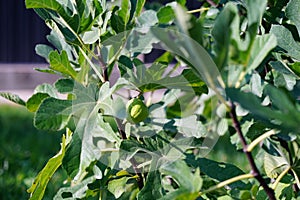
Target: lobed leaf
222,38
35,101
153,186
50,4
180,171
13,98
286,41
39,185
219,170
165,15
283,114
53,114
292,12
261,47
61,63
274,165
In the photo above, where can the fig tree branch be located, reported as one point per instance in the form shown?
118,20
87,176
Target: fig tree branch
133,162
254,169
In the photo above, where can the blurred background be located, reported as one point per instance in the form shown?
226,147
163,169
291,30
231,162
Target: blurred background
24,150
21,31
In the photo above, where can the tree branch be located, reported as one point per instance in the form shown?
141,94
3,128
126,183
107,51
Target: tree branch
103,64
254,169
211,3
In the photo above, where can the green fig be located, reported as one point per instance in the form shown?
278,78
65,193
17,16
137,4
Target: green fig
137,111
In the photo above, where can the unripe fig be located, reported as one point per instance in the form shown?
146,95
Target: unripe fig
137,111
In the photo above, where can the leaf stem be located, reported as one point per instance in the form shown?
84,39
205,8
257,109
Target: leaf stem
259,139
254,169
92,65
280,177
227,182
197,10
297,180
240,79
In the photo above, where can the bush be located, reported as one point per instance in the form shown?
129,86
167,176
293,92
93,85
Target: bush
231,70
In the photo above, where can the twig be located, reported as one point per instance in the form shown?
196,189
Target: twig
211,3
139,180
137,172
227,182
105,73
92,65
280,177
254,169
103,64
197,10
255,142
122,133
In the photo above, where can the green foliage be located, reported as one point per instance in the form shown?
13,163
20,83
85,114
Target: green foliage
23,154
233,71
40,183
12,97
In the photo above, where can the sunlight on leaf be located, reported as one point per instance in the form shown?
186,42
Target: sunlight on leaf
40,183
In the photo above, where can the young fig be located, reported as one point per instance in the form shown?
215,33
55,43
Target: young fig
137,111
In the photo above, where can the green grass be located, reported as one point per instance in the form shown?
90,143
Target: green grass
24,152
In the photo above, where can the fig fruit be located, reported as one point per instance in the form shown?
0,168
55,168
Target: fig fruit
137,111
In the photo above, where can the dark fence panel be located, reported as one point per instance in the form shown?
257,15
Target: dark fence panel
20,31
